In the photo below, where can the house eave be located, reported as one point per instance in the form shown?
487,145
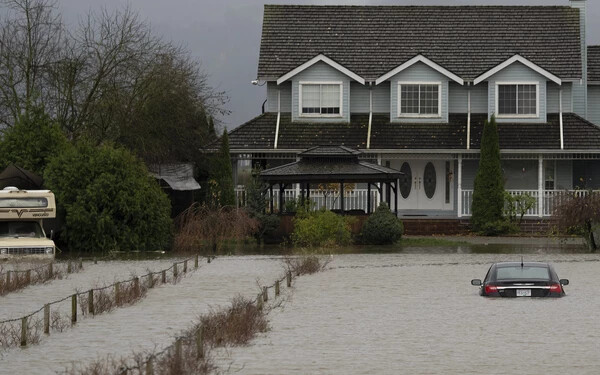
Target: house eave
517,58
326,60
424,60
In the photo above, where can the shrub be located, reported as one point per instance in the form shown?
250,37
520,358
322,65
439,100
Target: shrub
382,227
108,201
499,227
488,192
256,204
580,214
320,228
517,206
222,191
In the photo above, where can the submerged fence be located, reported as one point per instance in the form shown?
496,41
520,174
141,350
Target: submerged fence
13,280
28,329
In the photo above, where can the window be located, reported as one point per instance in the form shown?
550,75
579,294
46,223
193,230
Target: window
322,99
517,100
419,99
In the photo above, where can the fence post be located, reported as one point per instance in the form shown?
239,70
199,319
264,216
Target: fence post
196,261
150,280
149,367
208,259
164,276
174,272
136,286
91,301
24,331
200,342
80,264
185,266
69,267
276,288
8,279
28,276
47,318
95,260
289,278
259,301
74,309
117,293
50,270
178,352
265,293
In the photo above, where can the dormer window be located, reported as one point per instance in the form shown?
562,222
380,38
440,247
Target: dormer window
419,99
517,99
320,99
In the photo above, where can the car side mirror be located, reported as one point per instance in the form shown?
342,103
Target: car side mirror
51,236
564,281
477,282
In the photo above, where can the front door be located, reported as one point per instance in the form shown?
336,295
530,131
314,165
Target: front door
422,185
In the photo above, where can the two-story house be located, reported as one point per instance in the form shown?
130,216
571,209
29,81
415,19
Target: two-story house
411,86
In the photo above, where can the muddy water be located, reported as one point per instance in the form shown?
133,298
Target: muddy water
418,314
151,323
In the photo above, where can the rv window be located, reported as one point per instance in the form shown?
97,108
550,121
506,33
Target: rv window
20,229
23,202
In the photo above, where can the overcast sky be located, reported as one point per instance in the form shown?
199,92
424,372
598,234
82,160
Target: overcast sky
225,35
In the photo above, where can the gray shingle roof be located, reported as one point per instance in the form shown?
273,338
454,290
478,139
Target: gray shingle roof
467,40
594,63
259,133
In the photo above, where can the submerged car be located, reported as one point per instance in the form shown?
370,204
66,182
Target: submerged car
518,279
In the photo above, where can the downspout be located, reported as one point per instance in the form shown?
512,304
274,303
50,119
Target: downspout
560,119
278,118
469,116
370,114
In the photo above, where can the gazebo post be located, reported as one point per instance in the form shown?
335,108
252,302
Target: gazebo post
369,198
271,198
388,195
396,197
281,192
342,197
302,186
308,193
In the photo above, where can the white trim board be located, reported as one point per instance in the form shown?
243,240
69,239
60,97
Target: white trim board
424,60
522,60
327,61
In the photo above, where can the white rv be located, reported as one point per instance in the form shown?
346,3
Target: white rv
21,216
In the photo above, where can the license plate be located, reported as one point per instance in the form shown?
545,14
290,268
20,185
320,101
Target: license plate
523,292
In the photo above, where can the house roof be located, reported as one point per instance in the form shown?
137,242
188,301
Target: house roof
258,134
594,63
373,40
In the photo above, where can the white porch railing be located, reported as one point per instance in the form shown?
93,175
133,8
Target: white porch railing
550,199
353,200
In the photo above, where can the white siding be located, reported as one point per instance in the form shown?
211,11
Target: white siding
552,96
321,72
594,104
286,96
359,98
458,98
512,73
418,72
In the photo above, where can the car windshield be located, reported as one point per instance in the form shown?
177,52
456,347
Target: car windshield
518,273
20,229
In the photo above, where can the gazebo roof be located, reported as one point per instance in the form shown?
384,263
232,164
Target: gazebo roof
330,164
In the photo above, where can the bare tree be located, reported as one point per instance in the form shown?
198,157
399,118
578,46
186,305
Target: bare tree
30,35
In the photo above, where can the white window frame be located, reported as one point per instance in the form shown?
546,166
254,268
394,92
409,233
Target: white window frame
333,115
417,115
537,99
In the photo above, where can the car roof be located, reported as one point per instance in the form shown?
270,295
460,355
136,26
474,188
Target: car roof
525,264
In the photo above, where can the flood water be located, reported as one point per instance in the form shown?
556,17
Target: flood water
411,312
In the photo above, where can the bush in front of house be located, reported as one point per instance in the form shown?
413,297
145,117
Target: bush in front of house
107,201
488,192
382,227
320,229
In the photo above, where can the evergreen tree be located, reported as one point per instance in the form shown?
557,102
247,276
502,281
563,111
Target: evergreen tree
488,193
212,133
223,174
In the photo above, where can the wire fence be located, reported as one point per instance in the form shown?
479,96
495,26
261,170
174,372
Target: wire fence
13,280
192,343
56,317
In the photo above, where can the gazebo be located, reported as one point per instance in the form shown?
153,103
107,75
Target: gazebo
332,164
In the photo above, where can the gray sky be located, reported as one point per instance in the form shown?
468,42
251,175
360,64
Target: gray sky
225,35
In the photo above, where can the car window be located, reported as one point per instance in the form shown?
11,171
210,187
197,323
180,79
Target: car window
20,229
518,272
